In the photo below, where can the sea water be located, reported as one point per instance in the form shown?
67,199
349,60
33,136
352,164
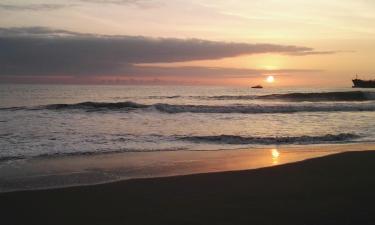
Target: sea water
61,120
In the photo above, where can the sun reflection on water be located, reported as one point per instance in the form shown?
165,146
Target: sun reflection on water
275,156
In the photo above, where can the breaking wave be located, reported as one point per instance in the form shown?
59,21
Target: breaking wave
86,153
238,140
172,109
324,96
215,139
255,109
164,97
313,97
97,105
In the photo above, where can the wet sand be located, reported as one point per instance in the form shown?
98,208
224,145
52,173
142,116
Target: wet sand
65,171
334,189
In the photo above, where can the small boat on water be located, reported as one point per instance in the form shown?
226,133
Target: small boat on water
257,86
358,83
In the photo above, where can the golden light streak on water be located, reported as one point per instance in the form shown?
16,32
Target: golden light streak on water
275,156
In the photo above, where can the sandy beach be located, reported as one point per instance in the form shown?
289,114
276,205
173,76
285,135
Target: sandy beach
334,189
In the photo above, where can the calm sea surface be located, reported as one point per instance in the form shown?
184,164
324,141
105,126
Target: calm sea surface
51,120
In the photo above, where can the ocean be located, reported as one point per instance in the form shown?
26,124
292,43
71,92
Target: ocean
62,120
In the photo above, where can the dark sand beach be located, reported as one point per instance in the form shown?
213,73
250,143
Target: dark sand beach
335,189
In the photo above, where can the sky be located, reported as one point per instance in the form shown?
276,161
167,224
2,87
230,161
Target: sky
196,42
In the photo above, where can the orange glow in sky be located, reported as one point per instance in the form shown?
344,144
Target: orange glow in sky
337,37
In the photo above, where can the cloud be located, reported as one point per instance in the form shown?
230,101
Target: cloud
190,75
55,6
196,71
314,53
15,32
33,7
44,51
120,2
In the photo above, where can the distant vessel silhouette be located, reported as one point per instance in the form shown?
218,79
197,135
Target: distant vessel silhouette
358,83
257,86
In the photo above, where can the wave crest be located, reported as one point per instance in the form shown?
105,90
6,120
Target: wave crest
234,108
97,105
312,97
256,109
324,96
238,140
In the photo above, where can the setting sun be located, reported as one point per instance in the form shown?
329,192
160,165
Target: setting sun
270,79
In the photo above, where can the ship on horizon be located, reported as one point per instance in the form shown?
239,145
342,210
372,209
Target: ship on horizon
358,83
257,86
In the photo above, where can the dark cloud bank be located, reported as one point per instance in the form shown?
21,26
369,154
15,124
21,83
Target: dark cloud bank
38,51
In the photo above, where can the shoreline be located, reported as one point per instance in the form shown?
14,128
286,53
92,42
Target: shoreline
72,171
334,189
